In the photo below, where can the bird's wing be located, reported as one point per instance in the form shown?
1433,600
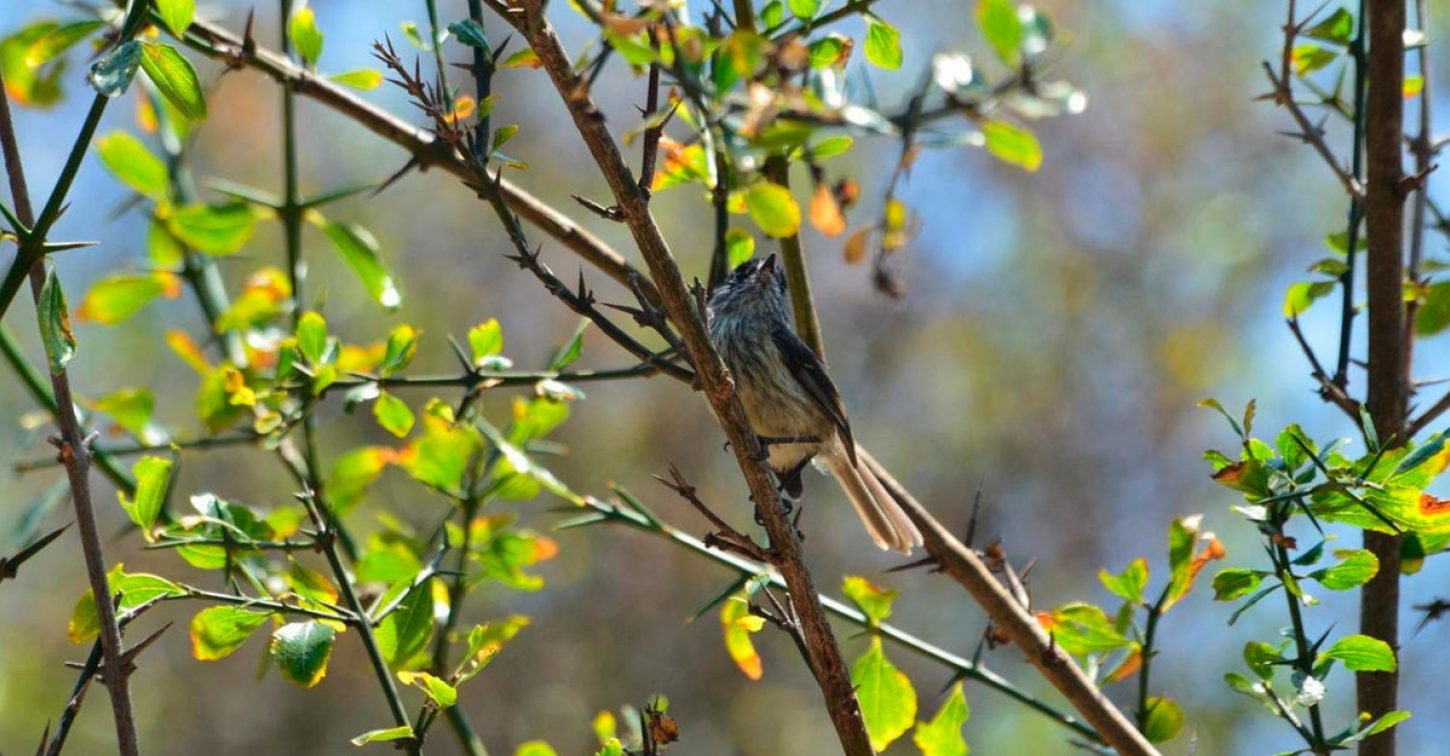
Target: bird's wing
810,373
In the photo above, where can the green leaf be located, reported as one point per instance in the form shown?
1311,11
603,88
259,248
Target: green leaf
401,732
153,483
440,457
1386,722
312,337
1311,58
54,317
571,350
301,651
470,33
883,43
831,50
831,147
773,209
1338,28
1235,583
484,643
772,14
1361,653
1300,296
218,631
1012,144
177,14
359,249
393,414
112,75
402,345
130,408
364,79
1082,629
405,633
535,748
1001,28
121,295
1165,720
52,44
130,161
888,702
354,472
486,340
306,37
175,79
437,690
215,229
942,736
135,590
1355,568
739,247
503,134
804,10
1434,313
1130,583
872,599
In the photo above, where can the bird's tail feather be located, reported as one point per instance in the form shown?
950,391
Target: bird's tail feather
884,519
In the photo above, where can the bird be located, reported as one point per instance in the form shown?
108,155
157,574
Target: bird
792,403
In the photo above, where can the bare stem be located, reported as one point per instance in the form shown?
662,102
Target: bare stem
73,446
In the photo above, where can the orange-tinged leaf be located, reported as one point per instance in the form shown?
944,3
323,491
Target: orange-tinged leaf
825,213
737,637
545,548
1046,620
463,107
856,243
1431,506
1132,664
187,349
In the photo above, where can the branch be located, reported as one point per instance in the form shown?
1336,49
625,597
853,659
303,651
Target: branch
73,446
958,665
831,672
214,42
963,565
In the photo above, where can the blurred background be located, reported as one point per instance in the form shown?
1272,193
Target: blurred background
1056,331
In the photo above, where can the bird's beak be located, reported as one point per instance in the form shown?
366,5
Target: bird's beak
769,265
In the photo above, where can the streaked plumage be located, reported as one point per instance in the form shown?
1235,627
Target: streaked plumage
787,393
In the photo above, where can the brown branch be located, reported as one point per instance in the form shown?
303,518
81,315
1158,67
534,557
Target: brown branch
1283,95
1377,692
75,453
830,669
425,147
1009,615
725,537
1328,389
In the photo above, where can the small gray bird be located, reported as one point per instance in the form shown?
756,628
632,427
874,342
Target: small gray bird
792,403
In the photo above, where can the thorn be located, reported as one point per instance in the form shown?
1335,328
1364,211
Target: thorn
249,44
413,162
972,522
611,213
132,653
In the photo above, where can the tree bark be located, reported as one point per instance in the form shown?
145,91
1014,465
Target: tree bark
1388,381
